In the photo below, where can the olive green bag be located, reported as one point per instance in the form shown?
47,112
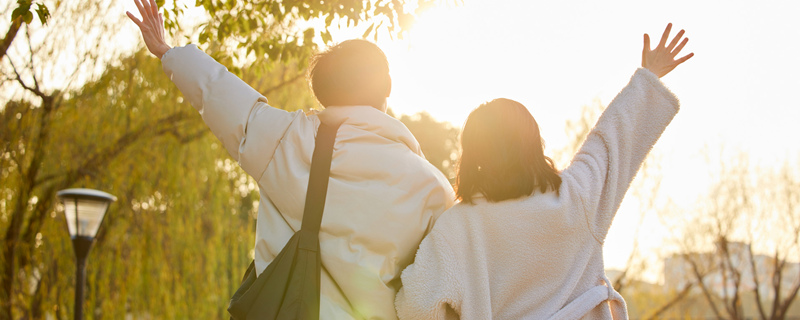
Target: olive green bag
290,286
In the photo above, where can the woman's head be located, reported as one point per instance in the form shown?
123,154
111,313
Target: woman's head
502,154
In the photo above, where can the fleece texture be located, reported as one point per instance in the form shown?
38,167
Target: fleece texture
383,196
541,256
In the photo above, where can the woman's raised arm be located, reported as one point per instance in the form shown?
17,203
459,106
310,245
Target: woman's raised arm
152,27
602,170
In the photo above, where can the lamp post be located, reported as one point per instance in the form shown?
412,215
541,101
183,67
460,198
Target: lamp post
84,209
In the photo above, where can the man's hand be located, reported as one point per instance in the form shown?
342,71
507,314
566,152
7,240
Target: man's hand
661,60
152,27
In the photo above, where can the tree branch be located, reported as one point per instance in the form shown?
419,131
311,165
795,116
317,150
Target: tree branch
682,294
34,90
10,35
296,77
786,303
733,306
776,285
703,287
759,303
30,59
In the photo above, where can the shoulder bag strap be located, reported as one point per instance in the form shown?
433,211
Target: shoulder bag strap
317,193
317,186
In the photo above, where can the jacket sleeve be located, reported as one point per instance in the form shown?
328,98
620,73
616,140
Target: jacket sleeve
431,287
249,129
605,165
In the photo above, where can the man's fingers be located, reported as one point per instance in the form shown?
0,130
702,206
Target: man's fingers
134,19
680,47
684,58
665,36
147,11
675,40
141,9
154,8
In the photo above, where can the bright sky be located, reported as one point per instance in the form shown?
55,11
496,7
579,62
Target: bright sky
740,90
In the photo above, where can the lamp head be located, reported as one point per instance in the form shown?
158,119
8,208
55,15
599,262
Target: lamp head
84,210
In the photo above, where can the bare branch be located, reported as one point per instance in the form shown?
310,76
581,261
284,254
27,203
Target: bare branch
677,298
759,303
787,302
699,276
30,59
293,79
34,90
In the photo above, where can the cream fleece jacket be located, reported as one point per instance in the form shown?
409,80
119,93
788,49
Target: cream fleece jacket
383,196
541,256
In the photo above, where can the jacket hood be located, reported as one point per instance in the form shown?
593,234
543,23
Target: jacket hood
373,120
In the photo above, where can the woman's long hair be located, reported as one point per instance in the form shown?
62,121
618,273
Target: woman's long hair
502,154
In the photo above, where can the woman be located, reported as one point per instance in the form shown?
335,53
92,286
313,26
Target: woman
527,241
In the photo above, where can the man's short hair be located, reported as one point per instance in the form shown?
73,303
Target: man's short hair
354,72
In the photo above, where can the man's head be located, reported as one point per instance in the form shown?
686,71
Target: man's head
354,72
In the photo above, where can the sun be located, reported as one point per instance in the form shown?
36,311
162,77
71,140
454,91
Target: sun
434,67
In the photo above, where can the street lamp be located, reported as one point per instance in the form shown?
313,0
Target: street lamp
85,209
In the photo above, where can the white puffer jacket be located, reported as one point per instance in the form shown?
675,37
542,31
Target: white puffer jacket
383,196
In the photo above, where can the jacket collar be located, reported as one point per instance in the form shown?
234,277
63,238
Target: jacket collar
373,120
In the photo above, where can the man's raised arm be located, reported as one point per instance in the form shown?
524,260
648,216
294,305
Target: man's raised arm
231,108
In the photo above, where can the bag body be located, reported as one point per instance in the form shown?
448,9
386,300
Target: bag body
289,288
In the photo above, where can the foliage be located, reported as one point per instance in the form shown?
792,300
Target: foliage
291,29
177,240
23,11
438,141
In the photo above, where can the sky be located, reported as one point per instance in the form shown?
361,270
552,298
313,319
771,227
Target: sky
739,91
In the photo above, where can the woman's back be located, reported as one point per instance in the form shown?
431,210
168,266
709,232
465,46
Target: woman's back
540,256
529,256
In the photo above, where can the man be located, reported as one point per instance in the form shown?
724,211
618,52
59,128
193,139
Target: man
383,196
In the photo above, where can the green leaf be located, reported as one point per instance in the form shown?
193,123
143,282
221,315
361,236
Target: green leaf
203,37
326,36
366,33
329,19
18,12
43,13
28,17
308,35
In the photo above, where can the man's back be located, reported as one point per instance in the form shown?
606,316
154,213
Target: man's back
383,196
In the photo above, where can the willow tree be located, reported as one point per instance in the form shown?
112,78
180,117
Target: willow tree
78,113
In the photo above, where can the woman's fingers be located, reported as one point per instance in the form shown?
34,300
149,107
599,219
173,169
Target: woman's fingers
684,58
680,47
665,36
675,40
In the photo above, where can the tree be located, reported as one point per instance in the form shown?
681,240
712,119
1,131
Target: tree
438,140
80,113
747,207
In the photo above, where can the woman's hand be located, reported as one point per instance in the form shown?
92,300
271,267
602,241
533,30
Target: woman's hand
152,27
661,60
